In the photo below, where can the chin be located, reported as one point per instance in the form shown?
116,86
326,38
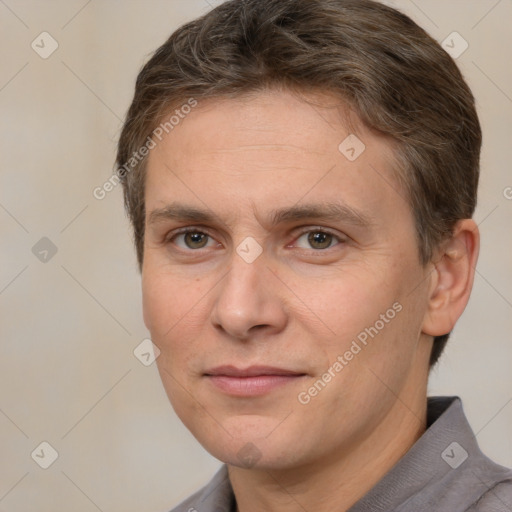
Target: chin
251,443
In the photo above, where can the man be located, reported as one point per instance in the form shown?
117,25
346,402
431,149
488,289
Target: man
301,177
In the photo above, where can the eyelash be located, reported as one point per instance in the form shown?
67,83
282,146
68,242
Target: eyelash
184,231
339,239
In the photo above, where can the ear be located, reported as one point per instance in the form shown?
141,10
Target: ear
452,278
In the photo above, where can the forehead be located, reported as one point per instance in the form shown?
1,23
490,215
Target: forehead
311,122
273,146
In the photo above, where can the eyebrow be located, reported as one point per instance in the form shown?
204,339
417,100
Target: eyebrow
178,211
323,211
318,211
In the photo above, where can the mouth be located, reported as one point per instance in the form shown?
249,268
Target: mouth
252,381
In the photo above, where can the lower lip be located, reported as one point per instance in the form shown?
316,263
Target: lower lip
251,386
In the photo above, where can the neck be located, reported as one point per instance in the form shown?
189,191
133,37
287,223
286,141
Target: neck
339,481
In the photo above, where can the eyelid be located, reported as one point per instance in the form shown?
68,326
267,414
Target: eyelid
341,237
169,237
187,229
296,234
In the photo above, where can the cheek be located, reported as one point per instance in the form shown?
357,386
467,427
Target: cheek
370,316
155,303
339,304
167,300
176,314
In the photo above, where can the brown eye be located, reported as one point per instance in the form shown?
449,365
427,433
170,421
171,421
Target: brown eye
320,240
195,240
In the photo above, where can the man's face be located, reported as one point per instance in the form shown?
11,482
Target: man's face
271,254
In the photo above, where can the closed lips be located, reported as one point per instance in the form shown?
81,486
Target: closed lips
253,371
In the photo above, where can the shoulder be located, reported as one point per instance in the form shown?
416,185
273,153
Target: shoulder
216,496
497,498
189,505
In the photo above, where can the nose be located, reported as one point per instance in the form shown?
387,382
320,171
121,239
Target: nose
249,301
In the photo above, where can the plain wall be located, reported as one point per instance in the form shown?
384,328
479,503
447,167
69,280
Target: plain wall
69,326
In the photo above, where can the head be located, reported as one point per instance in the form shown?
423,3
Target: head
324,156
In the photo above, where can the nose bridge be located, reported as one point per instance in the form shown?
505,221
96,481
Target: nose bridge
242,289
247,299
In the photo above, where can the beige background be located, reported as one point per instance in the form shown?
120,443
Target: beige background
69,326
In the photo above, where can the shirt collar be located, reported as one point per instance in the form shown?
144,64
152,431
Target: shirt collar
448,441
431,465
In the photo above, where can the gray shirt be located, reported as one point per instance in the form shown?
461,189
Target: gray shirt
444,471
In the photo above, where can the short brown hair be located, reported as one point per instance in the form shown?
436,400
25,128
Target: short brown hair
397,79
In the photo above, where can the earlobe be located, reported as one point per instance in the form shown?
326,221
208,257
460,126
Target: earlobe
452,278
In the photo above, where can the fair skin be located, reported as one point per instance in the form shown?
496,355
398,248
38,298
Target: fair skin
225,172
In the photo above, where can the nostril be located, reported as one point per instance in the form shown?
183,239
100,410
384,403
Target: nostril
259,327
